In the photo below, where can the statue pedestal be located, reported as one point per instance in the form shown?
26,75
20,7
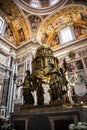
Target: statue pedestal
59,117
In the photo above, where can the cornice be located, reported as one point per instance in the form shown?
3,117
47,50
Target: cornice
81,43
34,45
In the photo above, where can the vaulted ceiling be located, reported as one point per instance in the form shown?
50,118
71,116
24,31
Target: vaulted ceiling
24,23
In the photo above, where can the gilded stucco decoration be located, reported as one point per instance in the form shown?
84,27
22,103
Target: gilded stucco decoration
5,8
18,29
75,16
34,22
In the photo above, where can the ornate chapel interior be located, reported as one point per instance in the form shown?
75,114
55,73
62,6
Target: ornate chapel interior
39,36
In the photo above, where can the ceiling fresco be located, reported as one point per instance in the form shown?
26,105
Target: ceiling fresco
75,16
22,27
17,29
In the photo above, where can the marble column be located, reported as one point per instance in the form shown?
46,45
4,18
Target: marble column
5,90
5,96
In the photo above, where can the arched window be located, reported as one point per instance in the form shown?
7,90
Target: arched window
52,2
66,35
35,3
1,24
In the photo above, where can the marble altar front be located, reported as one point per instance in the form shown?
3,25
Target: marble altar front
59,117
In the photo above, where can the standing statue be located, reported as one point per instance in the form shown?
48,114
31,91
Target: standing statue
58,83
64,88
19,92
63,83
27,89
54,87
19,85
40,93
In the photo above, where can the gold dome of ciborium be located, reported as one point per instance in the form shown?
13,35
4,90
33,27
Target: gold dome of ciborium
41,63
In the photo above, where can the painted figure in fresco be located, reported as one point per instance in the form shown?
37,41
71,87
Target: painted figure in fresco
34,21
9,34
21,35
55,41
83,17
8,31
44,37
77,31
27,89
71,67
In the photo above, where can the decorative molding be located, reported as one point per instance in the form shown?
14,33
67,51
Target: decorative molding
82,43
40,11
